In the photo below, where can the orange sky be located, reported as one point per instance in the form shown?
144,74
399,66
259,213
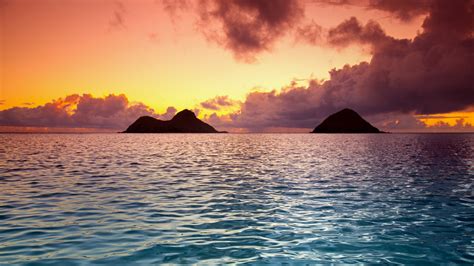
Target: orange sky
52,48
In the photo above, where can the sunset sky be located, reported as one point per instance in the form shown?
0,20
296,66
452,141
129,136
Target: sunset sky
258,66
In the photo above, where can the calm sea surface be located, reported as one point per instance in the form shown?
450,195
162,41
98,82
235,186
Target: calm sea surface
256,198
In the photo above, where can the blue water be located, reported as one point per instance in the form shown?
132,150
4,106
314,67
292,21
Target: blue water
233,198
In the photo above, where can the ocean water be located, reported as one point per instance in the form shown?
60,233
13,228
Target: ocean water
137,199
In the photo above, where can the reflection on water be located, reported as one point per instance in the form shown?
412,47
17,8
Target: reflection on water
268,198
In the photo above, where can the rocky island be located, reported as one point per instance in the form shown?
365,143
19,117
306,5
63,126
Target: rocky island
345,121
183,122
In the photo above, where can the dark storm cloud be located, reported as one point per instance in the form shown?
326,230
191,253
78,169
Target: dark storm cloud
351,31
405,10
247,27
81,111
433,73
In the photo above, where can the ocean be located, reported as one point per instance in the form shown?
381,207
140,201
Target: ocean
141,199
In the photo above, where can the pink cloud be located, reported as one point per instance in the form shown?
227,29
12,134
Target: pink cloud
81,111
218,103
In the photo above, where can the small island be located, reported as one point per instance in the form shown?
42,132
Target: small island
345,121
183,122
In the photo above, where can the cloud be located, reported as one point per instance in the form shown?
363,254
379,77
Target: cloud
118,17
244,27
460,125
432,73
311,33
401,122
405,10
170,112
351,31
81,111
398,122
427,75
218,103
247,28
174,7
292,107
297,110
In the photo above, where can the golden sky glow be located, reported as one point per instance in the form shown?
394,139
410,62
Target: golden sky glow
51,49
449,118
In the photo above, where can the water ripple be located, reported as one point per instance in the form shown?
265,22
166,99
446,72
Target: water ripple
229,198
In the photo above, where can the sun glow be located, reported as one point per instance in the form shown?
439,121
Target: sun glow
448,119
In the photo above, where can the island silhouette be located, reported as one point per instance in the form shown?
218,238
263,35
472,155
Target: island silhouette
345,121
183,122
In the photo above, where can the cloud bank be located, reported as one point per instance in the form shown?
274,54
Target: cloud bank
430,74
113,112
